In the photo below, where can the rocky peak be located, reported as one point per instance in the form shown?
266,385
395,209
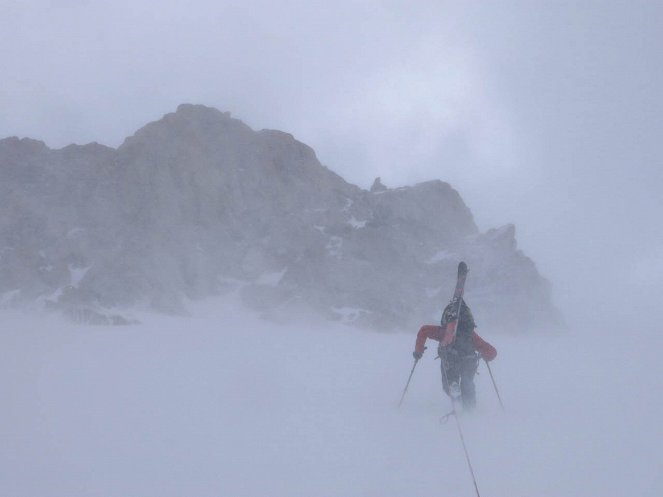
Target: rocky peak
378,186
199,112
23,143
197,204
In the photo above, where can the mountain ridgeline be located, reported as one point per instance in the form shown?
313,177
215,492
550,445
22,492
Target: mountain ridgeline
198,204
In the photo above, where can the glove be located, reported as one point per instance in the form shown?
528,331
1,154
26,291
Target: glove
487,358
417,355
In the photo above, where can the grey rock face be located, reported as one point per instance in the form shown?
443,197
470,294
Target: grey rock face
198,204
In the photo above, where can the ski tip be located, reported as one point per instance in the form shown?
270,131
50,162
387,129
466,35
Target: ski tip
462,268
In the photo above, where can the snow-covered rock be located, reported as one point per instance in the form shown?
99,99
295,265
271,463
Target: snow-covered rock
198,198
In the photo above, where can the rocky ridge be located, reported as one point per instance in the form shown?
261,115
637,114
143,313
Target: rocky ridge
199,204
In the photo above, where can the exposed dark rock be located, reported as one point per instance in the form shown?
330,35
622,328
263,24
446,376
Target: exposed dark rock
378,186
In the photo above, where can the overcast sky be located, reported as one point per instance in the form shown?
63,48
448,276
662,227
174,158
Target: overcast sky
546,114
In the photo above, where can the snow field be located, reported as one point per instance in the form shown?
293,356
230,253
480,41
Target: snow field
224,404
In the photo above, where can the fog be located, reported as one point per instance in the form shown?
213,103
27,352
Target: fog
544,114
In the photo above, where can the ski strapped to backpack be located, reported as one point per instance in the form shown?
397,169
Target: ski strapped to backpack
453,316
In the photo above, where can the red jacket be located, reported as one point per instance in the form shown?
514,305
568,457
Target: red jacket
486,350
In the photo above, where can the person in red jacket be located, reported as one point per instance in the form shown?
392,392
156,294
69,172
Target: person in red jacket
460,349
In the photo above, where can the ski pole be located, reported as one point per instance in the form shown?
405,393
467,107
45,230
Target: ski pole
494,384
408,382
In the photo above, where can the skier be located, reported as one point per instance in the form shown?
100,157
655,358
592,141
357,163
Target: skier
459,350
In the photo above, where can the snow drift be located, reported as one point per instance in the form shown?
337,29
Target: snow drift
223,403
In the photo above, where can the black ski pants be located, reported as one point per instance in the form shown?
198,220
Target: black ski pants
460,369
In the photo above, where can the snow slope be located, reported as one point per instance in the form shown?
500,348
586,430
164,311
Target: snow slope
222,404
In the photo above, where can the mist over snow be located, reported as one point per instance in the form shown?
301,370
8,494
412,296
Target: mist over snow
224,404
